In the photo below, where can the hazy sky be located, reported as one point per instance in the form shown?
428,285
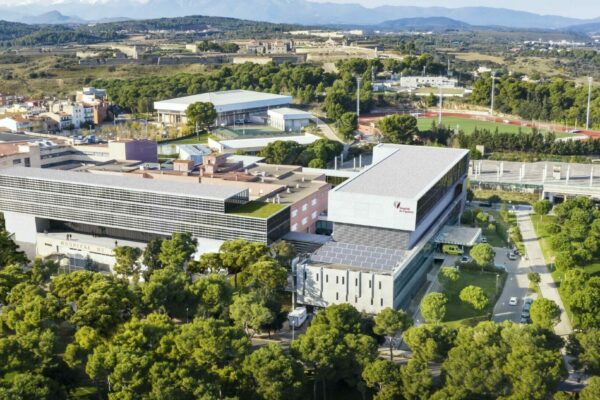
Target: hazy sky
570,8
567,8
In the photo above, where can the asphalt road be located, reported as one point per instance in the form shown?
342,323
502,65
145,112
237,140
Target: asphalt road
517,285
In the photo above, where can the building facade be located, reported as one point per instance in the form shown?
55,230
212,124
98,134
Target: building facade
385,221
36,200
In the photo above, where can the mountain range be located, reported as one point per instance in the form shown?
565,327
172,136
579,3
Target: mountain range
281,11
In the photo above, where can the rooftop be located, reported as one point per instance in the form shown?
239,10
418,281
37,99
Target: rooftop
225,101
211,192
459,235
404,171
258,209
264,142
359,256
290,113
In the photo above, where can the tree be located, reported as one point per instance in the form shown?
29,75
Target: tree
417,381
433,307
237,255
449,274
564,261
165,290
317,163
482,218
391,323
30,386
430,343
589,350
42,270
151,256
591,390
249,312
210,262
347,124
542,207
178,251
483,254
272,374
384,376
545,313
127,261
265,277
201,115
475,296
213,294
9,251
398,128
534,278
284,252
334,346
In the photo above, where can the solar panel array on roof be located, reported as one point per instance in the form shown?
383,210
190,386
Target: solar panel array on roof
356,255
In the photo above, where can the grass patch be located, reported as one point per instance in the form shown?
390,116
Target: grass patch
469,125
514,197
84,393
457,311
258,209
195,139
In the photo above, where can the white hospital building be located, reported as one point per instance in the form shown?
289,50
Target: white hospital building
385,223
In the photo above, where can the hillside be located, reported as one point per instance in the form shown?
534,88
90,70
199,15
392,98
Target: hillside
435,24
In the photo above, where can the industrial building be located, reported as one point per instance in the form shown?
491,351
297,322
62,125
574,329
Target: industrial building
386,221
232,106
254,145
289,119
39,201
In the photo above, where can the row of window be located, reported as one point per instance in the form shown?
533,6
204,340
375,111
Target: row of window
337,298
337,280
170,200
305,207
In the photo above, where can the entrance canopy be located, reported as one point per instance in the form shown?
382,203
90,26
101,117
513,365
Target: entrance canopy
458,235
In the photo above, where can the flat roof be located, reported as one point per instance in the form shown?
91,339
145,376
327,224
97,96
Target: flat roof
459,235
264,142
406,171
229,100
290,113
135,183
359,256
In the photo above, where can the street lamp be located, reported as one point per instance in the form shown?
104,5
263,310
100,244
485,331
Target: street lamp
358,82
493,92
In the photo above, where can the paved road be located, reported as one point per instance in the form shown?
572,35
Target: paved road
326,130
517,285
538,264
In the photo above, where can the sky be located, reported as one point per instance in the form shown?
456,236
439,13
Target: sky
566,8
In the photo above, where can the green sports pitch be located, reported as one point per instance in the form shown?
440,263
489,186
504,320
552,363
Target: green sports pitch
468,125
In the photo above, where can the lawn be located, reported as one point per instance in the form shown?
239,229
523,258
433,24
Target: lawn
196,139
513,197
469,125
458,311
258,209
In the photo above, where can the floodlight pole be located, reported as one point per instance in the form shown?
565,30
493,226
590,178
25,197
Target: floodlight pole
493,92
358,81
589,103
441,107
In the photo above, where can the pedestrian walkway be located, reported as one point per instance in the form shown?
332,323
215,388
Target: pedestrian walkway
537,264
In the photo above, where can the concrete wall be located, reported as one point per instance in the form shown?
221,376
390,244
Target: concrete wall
321,286
304,214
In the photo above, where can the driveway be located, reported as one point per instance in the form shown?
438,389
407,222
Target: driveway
517,285
326,130
538,264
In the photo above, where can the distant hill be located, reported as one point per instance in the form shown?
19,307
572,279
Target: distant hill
52,18
591,28
13,30
294,11
434,24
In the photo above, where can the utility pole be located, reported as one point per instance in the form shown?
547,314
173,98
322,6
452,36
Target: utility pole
358,81
589,103
493,92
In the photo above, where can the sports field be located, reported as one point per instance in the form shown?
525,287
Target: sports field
469,125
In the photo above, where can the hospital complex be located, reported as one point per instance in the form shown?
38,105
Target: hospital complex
365,236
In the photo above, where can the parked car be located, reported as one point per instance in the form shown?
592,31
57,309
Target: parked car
513,301
452,249
511,256
465,259
524,320
485,204
483,239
